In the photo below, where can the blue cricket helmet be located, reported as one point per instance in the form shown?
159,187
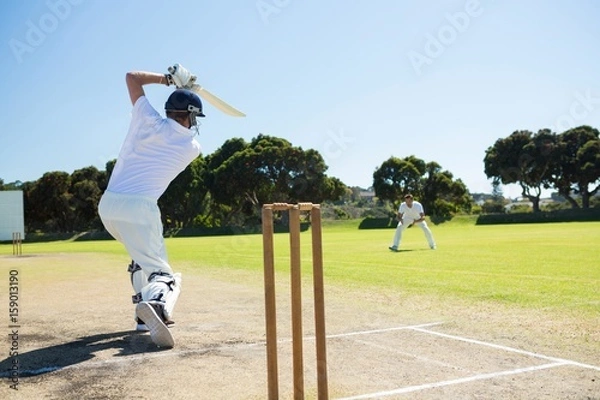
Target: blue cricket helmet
185,100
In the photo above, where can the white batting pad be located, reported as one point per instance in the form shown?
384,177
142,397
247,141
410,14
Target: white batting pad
165,290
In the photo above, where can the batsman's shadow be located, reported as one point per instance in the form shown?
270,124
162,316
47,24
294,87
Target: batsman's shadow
48,359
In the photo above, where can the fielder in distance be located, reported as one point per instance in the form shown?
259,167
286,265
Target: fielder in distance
411,212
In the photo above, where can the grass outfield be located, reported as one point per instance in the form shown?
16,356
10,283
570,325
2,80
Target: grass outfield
553,266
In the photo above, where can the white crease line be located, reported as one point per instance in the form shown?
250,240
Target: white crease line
369,332
129,358
398,328
510,349
146,356
416,388
411,355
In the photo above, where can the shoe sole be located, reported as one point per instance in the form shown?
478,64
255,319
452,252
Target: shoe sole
159,333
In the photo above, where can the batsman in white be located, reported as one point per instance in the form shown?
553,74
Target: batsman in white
411,212
154,152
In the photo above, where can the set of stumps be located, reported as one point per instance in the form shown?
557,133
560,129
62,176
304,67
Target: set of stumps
295,212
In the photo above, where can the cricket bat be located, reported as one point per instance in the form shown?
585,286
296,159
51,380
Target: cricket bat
216,102
211,98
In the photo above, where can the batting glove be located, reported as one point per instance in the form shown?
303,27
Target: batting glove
182,78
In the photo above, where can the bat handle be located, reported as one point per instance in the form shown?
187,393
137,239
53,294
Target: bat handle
171,70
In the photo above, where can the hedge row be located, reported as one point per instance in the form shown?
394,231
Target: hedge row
571,215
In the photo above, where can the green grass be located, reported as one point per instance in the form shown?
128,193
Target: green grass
553,266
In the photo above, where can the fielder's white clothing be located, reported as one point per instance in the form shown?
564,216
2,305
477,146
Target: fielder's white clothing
155,151
409,215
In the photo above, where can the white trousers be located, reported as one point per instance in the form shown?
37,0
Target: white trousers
135,222
401,227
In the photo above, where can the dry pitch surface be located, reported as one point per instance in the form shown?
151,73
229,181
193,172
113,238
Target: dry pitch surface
75,341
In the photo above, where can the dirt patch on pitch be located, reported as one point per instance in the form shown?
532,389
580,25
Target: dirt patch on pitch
75,341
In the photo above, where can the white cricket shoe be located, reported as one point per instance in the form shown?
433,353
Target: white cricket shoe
140,326
159,332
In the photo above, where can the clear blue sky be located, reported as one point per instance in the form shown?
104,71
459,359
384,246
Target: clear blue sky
359,81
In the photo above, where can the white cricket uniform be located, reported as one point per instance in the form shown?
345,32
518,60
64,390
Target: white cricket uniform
155,151
409,215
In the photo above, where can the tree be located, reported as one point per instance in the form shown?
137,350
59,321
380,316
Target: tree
243,176
16,185
525,159
185,197
108,169
496,202
85,195
230,180
577,166
48,202
397,176
440,194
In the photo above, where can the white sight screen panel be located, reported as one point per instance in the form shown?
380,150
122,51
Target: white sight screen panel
12,216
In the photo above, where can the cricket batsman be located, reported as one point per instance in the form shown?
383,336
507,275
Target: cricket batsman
154,152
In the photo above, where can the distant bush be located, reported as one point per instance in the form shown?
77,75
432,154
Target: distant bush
231,230
568,215
520,209
378,223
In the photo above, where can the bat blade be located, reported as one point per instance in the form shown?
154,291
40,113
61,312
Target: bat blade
217,102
